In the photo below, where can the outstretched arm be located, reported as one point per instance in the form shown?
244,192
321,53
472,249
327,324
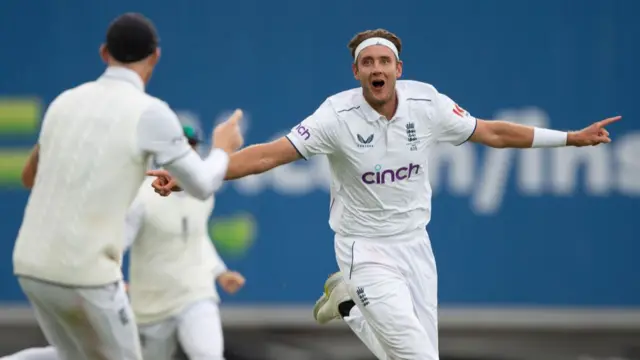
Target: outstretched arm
503,134
160,134
455,125
256,159
317,134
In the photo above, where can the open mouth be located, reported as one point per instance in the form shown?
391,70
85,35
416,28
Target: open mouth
377,84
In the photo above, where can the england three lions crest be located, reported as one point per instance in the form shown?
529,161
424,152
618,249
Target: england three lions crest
412,138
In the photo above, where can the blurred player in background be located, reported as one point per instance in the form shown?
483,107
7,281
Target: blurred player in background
172,273
377,139
173,268
90,160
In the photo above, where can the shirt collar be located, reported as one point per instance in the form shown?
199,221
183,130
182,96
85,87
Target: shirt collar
124,74
372,115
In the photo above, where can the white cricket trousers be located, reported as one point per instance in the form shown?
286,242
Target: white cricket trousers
39,353
85,323
197,329
393,282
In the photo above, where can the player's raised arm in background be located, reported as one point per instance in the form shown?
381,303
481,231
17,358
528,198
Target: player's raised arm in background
454,122
166,141
315,135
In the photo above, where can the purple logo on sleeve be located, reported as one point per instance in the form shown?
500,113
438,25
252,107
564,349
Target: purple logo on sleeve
303,132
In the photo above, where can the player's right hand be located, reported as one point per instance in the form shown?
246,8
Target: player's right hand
227,136
164,183
592,135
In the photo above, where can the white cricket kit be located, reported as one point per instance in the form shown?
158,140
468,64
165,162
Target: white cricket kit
380,206
95,143
173,267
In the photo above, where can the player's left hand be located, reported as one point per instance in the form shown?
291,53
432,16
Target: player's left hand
593,135
231,281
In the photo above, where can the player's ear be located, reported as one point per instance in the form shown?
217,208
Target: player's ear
155,57
104,53
354,68
398,69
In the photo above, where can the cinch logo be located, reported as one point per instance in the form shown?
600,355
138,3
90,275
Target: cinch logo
389,175
303,131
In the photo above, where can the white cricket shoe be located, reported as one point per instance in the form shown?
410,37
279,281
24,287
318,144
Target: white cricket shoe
335,293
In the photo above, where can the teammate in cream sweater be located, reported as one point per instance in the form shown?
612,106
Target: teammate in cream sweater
94,145
172,270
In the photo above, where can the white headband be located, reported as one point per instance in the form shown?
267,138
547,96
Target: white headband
375,41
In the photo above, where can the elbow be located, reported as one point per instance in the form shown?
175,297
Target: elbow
491,134
27,184
501,135
496,137
200,189
30,168
207,189
27,180
493,140
202,194
497,142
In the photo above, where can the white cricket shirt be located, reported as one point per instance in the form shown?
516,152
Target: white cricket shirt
173,262
95,142
380,184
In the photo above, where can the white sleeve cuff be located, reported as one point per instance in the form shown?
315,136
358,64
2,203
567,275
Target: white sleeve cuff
298,145
219,270
473,130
